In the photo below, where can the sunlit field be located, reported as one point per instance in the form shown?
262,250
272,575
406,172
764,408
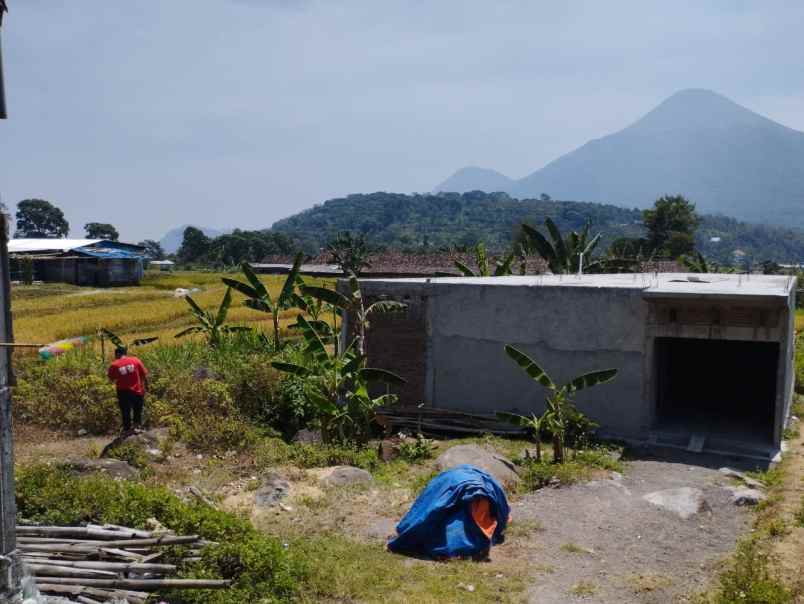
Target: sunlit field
49,312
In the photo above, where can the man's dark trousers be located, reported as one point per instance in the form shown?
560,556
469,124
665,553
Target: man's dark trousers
130,403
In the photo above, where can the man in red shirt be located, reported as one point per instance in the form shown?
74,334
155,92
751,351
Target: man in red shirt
131,378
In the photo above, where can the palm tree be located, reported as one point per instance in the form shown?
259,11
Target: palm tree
213,325
562,254
259,298
559,407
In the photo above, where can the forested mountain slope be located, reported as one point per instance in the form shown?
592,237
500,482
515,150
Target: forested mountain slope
451,219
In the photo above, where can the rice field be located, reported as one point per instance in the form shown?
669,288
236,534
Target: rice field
49,312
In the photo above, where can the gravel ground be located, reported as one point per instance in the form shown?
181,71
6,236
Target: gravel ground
601,542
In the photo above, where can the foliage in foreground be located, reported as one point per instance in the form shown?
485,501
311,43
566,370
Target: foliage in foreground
749,578
560,412
258,565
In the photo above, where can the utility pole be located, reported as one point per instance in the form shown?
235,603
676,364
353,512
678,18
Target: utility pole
10,568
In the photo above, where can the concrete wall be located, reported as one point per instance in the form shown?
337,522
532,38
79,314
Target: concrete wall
450,343
567,330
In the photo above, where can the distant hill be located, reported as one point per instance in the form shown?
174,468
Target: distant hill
452,219
724,157
171,241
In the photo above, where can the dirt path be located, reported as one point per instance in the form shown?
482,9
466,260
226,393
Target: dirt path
602,542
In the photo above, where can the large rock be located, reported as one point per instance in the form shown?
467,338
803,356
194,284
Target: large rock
749,482
152,442
274,489
746,496
684,502
344,476
112,467
499,467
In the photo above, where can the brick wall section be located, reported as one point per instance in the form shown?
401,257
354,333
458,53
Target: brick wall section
398,341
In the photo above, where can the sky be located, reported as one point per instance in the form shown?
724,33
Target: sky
237,113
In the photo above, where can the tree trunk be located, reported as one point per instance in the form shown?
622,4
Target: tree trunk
558,449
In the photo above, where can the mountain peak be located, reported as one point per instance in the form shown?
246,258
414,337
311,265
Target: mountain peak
696,108
474,178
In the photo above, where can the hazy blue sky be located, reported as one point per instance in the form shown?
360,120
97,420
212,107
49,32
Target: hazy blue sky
240,112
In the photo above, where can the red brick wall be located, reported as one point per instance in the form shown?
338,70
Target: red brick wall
398,342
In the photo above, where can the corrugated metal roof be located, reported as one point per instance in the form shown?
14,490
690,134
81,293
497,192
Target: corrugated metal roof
16,246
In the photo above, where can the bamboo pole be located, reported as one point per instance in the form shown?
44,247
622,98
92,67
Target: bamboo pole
103,565
143,584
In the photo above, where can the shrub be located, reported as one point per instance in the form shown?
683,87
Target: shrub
68,392
749,578
416,449
259,567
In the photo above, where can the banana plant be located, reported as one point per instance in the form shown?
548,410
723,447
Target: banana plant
696,263
563,254
259,298
337,383
212,324
559,406
532,424
120,343
502,267
352,305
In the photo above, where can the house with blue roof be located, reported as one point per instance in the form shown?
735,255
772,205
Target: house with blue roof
90,262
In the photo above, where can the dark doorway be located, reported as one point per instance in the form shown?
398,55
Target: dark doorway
724,390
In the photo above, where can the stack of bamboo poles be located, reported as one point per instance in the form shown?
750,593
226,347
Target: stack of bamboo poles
103,563
433,422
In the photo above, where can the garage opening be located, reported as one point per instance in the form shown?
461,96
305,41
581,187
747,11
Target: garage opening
720,390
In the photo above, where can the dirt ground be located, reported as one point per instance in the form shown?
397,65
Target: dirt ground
594,542
602,542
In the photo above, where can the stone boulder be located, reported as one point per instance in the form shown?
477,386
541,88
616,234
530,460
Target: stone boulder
111,467
308,437
501,468
152,442
747,480
684,502
746,496
274,489
344,476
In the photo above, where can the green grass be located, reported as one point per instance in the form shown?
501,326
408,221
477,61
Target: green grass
346,571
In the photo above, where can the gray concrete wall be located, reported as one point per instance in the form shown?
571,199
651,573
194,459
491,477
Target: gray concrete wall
567,330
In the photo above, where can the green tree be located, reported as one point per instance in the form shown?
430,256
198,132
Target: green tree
153,249
671,226
101,230
194,246
350,252
38,218
559,406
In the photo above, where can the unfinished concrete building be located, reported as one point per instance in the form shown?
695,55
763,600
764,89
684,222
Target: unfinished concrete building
705,361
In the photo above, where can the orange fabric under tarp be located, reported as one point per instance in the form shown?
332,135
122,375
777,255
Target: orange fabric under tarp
481,514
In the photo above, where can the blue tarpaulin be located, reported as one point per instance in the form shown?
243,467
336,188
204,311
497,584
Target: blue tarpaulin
440,523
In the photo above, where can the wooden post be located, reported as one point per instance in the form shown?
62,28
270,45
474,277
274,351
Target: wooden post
10,568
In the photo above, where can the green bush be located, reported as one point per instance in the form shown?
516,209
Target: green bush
259,567
69,392
416,449
749,578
